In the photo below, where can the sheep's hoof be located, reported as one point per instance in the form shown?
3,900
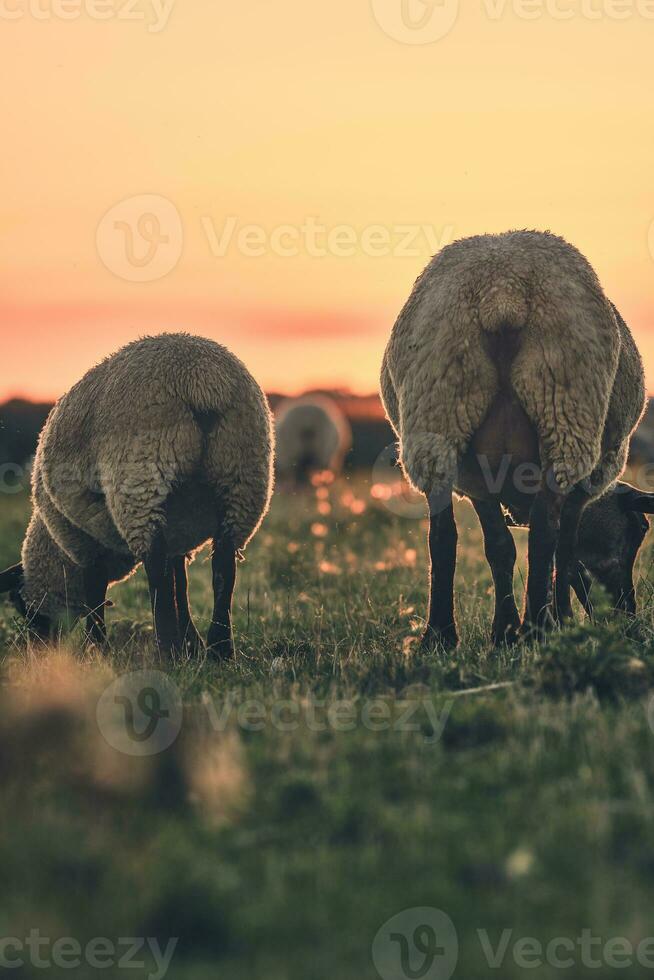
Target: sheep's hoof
433,639
96,639
193,642
166,652
561,615
220,645
220,652
536,632
506,632
531,633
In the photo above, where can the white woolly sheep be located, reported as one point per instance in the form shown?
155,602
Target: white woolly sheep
312,435
161,447
510,378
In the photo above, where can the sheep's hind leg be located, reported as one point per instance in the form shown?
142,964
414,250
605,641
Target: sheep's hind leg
161,580
501,555
187,629
96,582
571,512
220,643
544,526
441,626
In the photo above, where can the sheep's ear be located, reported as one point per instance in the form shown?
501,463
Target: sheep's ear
637,500
11,578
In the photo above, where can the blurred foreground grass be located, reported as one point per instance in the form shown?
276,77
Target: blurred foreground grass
334,775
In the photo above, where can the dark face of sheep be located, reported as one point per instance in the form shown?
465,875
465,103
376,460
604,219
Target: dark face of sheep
610,536
11,583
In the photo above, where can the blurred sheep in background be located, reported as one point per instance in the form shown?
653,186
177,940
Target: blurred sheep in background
313,435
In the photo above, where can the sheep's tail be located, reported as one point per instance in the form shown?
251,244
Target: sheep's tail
504,306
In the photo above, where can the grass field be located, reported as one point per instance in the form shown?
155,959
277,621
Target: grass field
333,776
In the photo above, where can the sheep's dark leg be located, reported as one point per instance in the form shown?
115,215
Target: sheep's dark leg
582,584
187,629
96,582
544,525
501,555
223,563
441,626
571,512
161,580
627,597
305,467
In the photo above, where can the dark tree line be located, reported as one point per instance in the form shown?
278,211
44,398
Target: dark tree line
20,424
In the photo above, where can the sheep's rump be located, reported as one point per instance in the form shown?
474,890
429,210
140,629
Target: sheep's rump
310,431
159,414
444,366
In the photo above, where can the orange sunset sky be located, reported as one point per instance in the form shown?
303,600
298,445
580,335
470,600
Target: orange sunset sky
207,117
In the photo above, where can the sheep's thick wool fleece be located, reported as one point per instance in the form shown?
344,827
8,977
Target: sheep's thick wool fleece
161,413
576,372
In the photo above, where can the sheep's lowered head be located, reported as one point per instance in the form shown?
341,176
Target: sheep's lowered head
12,582
45,616
46,587
611,533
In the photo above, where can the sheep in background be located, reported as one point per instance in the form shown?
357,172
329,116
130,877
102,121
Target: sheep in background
161,447
508,355
312,435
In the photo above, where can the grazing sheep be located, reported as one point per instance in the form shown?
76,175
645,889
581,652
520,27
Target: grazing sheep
611,531
312,435
510,378
161,447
